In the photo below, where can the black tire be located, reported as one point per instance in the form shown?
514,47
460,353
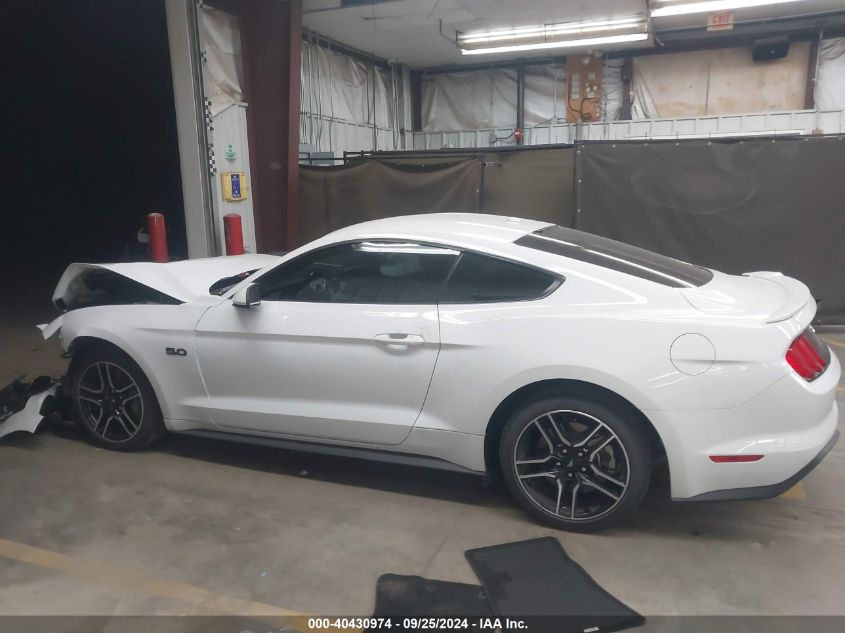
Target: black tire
544,486
130,418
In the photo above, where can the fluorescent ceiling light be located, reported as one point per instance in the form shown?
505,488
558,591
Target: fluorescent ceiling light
571,43
549,30
664,9
546,36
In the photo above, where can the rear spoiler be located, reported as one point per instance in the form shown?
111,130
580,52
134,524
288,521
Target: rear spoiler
797,296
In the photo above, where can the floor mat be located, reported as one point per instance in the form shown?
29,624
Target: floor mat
416,596
536,579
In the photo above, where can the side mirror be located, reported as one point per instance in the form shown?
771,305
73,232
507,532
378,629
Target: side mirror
247,297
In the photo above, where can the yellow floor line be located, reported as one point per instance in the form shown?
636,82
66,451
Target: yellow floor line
111,575
834,343
796,493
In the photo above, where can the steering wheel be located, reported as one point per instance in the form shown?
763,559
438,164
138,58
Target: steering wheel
322,287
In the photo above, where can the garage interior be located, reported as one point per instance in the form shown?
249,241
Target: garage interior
712,135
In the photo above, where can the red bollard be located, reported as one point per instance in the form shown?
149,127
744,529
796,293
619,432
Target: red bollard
234,234
158,237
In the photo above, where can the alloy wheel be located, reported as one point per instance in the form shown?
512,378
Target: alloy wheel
110,401
571,465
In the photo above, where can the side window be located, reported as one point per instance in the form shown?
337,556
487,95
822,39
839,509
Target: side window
363,272
478,278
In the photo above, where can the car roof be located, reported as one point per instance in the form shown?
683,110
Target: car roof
470,230
496,235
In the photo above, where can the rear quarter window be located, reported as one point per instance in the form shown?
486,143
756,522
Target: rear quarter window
483,279
618,256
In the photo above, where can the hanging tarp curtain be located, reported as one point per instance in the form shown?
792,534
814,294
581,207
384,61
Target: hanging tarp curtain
737,206
221,36
830,80
720,81
534,184
612,89
336,86
696,83
544,89
472,100
484,99
734,206
334,197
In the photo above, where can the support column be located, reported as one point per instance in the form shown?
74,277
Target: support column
416,100
190,125
812,72
520,103
271,40
627,76
407,127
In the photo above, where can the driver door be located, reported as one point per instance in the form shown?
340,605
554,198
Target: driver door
342,346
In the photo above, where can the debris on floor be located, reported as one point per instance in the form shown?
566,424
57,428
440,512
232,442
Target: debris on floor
23,405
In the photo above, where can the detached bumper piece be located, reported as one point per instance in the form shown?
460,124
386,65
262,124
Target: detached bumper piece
767,492
23,405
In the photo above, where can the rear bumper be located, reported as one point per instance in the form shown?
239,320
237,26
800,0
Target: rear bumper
771,490
793,424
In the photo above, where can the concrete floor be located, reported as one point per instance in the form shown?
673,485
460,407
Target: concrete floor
200,526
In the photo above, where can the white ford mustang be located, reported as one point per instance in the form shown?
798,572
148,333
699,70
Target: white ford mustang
566,362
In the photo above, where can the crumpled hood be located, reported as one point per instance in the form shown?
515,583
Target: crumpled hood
184,281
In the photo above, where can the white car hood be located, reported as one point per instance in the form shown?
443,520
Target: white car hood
186,280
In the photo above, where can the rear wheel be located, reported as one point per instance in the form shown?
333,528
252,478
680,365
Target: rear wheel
113,400
573,463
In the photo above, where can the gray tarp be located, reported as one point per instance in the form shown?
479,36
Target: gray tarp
334,197
737,206
536,184
533,184
731,205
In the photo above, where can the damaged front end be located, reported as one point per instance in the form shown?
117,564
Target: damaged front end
100,286
92,285
172,283
145,283
24,405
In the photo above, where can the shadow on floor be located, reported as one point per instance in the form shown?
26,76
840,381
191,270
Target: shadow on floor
409,480
423,482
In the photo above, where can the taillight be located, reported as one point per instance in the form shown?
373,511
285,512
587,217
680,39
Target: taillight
808,355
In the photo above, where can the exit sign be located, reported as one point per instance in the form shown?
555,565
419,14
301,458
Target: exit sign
723,21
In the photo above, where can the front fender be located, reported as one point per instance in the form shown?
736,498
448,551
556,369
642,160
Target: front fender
144,333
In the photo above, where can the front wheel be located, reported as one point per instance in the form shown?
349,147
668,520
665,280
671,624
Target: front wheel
113,400
574,463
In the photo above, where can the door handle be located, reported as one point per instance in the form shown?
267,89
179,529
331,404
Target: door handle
399,338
